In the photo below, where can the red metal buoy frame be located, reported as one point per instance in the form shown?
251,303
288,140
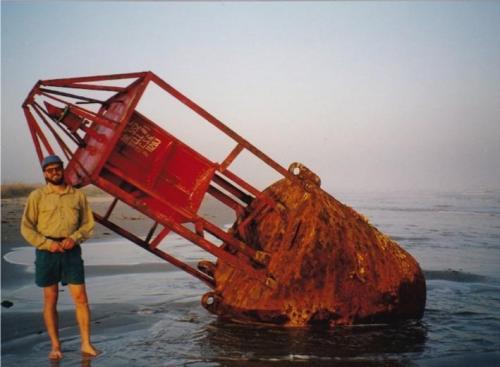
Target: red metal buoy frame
130,157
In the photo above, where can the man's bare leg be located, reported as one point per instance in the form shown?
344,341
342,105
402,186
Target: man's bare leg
79,295
50,295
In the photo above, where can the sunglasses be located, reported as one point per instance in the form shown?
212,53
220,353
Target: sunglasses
53,169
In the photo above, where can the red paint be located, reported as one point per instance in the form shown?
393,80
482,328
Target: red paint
133,159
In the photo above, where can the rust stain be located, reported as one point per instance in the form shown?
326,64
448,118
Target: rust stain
330,265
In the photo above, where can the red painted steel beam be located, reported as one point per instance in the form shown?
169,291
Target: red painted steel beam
161,254
246,186
192,217
107,88
188,215
141,85
258,256
96,78
39,133
111,208
151,232
70,95
156,242
219,195
244,197
31,123
231,157
30,97
221,126
98,119
41,112
218,252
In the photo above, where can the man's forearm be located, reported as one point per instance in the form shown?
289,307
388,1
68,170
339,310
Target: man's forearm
83,233
86,229
35,238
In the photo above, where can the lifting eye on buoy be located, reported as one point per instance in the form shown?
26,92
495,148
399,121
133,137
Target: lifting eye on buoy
210,301
304,174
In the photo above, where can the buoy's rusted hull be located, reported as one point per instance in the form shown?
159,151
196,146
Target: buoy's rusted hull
331,267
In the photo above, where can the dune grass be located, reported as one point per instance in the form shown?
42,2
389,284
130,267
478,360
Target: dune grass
16,190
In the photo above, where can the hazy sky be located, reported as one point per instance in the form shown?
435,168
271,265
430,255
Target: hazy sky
370,95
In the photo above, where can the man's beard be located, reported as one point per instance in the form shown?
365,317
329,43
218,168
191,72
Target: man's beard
58,182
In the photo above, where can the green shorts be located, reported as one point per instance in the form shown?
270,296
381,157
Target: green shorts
54,267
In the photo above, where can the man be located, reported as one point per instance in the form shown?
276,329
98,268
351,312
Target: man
56,220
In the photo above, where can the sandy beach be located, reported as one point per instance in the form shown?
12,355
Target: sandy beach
122,279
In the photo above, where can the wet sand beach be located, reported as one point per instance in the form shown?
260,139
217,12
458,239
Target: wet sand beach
123,281
146,312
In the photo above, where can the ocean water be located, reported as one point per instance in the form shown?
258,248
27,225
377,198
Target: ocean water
154,318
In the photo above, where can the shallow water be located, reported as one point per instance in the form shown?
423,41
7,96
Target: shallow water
154,318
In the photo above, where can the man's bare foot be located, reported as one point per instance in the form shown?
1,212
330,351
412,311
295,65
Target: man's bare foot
55,354
89,350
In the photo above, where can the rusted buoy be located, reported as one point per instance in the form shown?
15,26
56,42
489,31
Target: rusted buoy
330,265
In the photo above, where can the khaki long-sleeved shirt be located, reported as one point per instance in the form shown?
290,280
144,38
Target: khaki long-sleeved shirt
52,214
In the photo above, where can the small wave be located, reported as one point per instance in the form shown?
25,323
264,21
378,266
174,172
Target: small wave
454,276
406,238
493,212
467,313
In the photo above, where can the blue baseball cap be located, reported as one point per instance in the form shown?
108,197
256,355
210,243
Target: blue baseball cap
51,159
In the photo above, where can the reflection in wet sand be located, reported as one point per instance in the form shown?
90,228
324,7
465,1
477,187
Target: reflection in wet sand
369,345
